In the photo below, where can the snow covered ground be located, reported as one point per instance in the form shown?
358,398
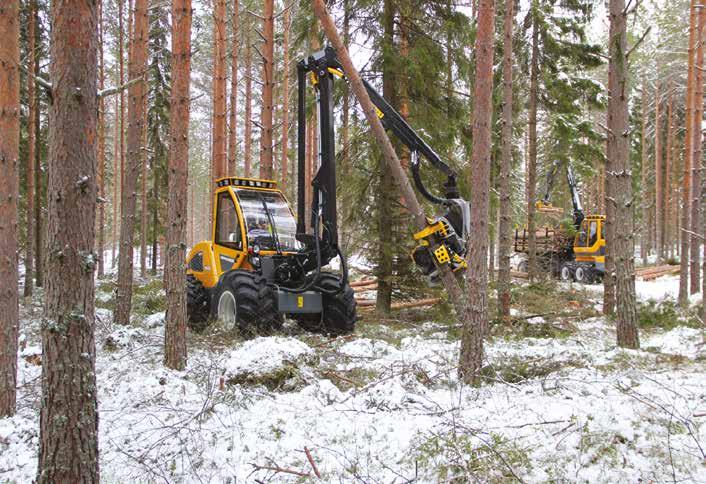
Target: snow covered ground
386,405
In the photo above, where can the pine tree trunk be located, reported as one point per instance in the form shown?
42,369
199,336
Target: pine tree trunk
667,173
477,277
659,183
68,438
175,321
116,180
644,233
248,105
385,195
505,229
284,163
267,108
155,215
609,276
622,248
101,147
233,124
532,161
688,153
136,69
9,185
698,93
143,183
219,89
31,148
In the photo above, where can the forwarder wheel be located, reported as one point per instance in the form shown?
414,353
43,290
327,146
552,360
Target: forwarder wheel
197,304
243,301
566,273
583,275
339,310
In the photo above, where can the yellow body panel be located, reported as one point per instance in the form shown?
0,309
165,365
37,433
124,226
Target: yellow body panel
218,259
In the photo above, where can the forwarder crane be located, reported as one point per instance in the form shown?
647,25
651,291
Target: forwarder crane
580,258
261,265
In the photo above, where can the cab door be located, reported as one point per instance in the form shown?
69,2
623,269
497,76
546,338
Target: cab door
590,243
228,234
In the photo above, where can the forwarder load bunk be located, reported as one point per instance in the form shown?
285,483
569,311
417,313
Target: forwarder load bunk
553,246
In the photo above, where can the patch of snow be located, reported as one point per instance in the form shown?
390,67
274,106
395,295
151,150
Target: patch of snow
683,341
265,354
155,320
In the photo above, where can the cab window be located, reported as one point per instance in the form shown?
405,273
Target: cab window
593,234
227,226
582,235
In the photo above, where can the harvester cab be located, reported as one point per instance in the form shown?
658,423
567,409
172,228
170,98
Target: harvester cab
261,263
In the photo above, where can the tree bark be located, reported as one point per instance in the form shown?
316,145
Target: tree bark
659,180
175,321
415,209
532,268
101,147
219,90
68,439
505,229
116,180
477,278
698,93
38,226
267,108
620,174
31,148
136,68
666,198
248,104
143,186
284,163
233,124
9,190
645,235
688,153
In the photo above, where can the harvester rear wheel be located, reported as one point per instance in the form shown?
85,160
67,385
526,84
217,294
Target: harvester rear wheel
339,310
197,304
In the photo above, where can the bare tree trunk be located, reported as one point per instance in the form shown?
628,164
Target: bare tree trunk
477,277
415,209
287,24
143,183
31,148
101,147
659,182
175,322
698,93
267,108
532,161
667,172
233,124
219,89
116,180
622,249
505,221
68,439
688,153
248,104
9,185
645,235
136,68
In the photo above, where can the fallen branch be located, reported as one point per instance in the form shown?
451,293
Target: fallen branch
282,470
364,303
311,461
364,282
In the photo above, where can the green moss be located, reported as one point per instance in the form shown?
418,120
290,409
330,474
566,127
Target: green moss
283,378
517,369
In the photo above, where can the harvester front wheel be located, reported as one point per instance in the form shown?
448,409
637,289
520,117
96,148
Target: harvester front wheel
339,309
197,304
244,301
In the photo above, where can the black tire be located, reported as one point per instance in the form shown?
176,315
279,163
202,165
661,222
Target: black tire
582,274
197,304
254,302
523,266
339,310
566,272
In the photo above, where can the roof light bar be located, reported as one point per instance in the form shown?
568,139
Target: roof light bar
246,182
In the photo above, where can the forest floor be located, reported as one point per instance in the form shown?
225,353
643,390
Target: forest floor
559,400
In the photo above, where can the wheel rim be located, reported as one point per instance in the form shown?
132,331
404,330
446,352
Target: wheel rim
565,274
580,275
227,310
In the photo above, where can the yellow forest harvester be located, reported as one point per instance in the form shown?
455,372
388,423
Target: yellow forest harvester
261,265
579,255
